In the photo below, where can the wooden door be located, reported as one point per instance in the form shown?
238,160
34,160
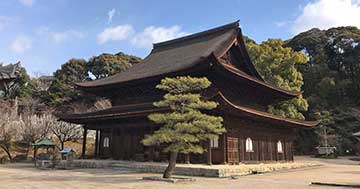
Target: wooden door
105,145
232,150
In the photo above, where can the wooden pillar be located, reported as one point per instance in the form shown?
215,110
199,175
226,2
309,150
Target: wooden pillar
84,143
209,154
35,149
187,158
224,148
111,143
151,148
96,144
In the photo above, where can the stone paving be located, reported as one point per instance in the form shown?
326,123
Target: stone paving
13,176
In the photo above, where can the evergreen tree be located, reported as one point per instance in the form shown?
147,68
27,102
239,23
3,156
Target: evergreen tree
106,65
185,126
277,65
331,83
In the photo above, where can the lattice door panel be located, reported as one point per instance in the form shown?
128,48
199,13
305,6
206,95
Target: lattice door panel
233,150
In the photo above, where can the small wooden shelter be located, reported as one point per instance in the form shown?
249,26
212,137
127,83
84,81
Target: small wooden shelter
253,135
44,143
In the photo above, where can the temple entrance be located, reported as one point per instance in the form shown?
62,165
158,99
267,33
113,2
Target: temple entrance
232,150
105,151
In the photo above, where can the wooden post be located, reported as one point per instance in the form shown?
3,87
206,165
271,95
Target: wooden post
224,149
84,143
111,143
35,149
187,158
151,148
209,158
151,155
96,144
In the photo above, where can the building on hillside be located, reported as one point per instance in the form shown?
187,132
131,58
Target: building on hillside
8,74
253,135
44,82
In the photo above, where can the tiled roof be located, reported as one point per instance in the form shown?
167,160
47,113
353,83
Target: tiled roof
175,55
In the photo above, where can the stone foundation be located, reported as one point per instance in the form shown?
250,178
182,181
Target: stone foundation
186,169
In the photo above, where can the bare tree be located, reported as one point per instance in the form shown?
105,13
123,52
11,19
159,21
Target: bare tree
34,128
10,122
65,131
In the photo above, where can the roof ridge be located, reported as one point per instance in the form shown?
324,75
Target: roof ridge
195,35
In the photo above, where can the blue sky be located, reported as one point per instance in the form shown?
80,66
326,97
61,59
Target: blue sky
44,34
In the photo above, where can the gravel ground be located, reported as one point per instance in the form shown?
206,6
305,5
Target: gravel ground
25,176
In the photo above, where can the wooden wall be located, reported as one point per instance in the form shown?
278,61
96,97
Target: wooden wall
125,143
264,140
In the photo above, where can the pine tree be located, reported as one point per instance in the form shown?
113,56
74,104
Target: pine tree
185,126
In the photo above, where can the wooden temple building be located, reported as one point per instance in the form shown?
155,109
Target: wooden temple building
253,135
8,74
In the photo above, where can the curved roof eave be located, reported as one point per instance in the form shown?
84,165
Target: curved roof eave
238,73
266,115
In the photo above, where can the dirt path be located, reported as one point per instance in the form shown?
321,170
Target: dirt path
25,176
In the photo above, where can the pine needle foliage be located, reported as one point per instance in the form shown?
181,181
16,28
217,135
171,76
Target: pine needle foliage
185,126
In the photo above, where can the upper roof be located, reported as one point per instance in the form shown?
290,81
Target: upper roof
175,55
228,68
182,53
9,71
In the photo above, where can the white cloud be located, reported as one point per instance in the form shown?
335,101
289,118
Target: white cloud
117,33
324,14
281,24
153,34
4,22
43,30
21,44
28,3
59,37
111,14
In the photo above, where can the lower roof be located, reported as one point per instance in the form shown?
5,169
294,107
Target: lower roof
113,113
256,114
144,109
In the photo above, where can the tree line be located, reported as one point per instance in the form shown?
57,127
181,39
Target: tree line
324,64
